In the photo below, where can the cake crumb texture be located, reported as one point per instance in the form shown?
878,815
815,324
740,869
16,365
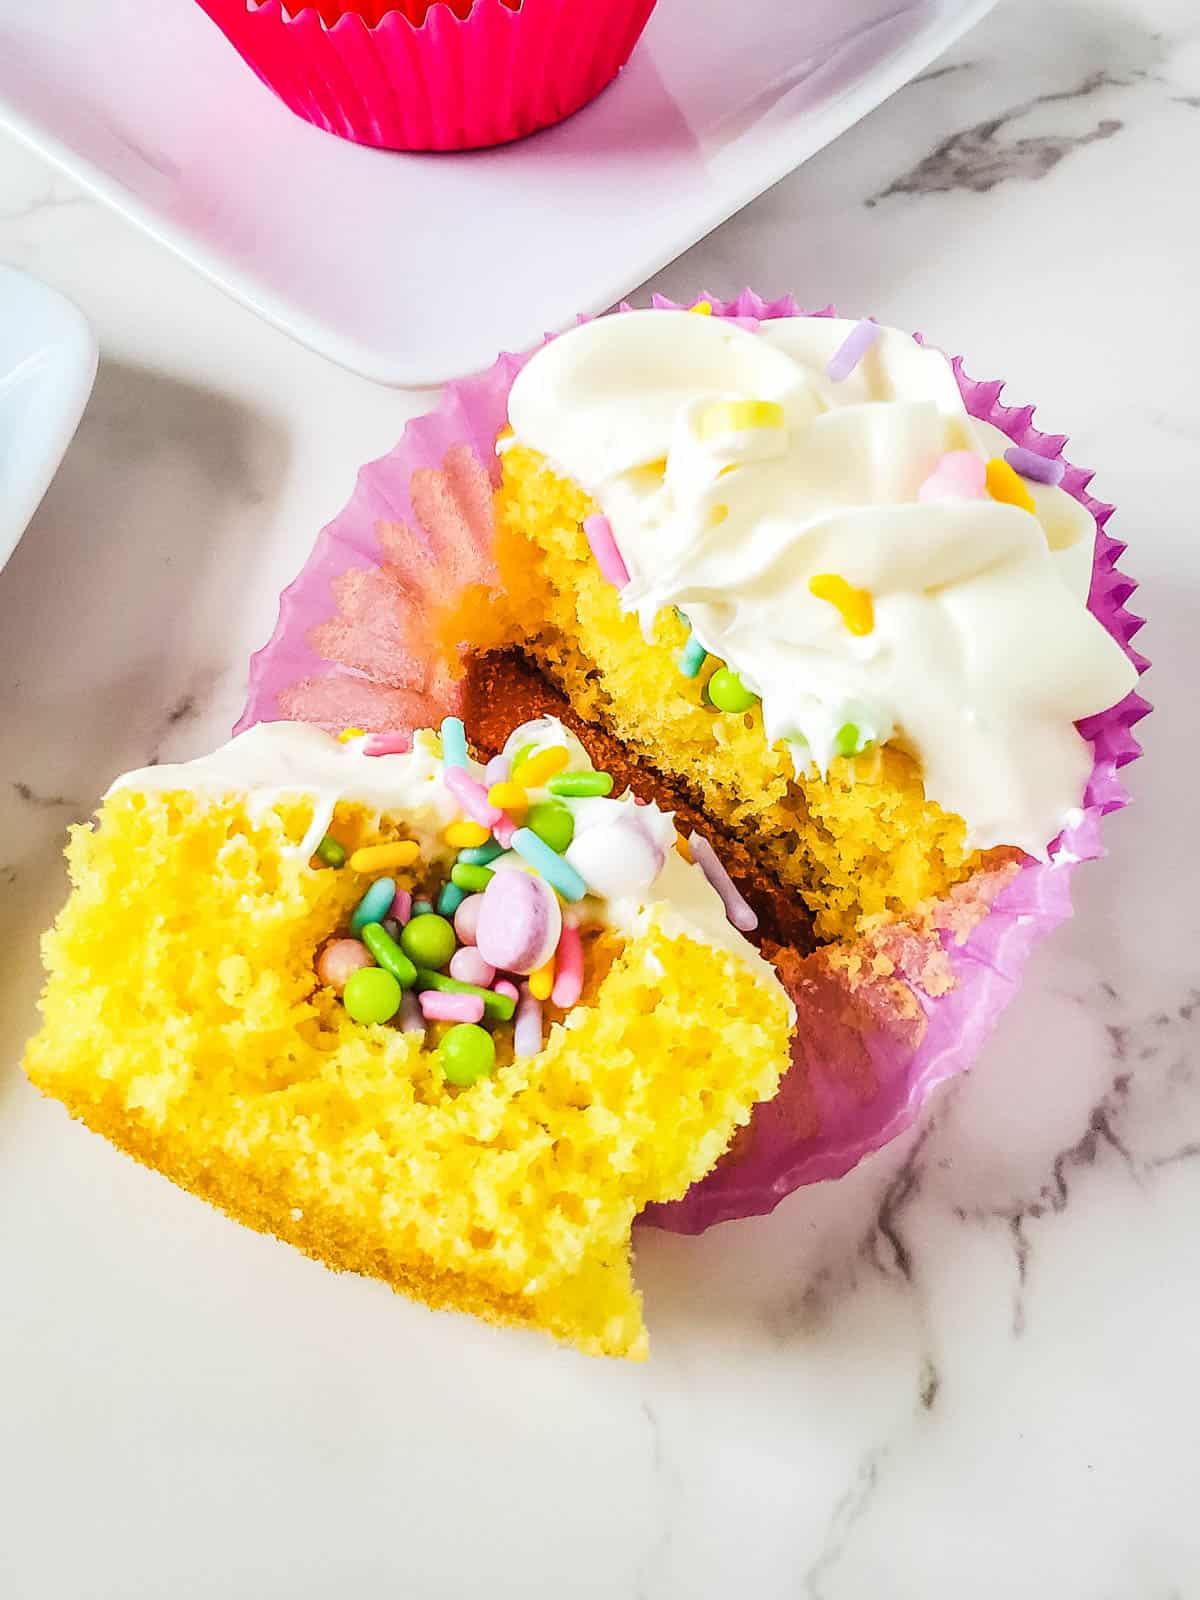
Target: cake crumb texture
183,1021
860,843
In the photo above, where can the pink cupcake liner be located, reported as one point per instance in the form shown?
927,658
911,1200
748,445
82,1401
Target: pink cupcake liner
508,68
352,646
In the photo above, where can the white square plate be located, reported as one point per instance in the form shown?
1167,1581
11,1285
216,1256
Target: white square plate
412,269
47,368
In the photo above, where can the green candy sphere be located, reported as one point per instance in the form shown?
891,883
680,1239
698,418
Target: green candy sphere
552,823
428,940
467,1053
727,692
371,995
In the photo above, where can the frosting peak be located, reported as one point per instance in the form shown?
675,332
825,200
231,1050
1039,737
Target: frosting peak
738,478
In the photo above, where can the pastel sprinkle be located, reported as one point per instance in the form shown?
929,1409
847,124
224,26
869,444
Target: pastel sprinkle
1004,485
351,733
1039,469
412,1019
702,308
468,966
389,955
541,981
959,475
472,796
454,742
330,852
851,350
854,605
401,907
466,918
450,897
497,769
577,785
505,987
508,796
568,971
388,744
421,908
692,658
604,547
739,416
437,1007
374,905
539,769
497,1006
466,835
480,855
736,909
549,863
383,857
527,1030
504,831
846,739
339,959
471,879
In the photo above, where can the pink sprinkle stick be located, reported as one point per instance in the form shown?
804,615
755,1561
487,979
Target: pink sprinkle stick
411,1020
527,1028
497,770
471,795
568,968
736,909
504,830
851,350
401,906
503,986
604,548
388,744
439,1007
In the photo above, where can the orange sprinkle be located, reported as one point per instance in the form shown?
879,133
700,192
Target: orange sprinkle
539,769
855,606
1008,486
541,982
379,857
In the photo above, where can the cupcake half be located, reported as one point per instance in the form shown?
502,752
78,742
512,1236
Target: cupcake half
331,987
812,589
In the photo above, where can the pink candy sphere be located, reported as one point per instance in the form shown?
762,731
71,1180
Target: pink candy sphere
339,960
519,922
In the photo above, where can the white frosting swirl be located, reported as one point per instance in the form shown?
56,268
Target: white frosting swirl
983,654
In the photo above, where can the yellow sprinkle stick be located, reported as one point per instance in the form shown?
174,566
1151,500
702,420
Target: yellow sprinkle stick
510,797
681,847
539,769
702,308
1006,485
466,835
360,733
738,416
379,857
541,982
855,605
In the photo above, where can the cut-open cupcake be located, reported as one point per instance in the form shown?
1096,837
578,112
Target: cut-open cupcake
814,590
450,1026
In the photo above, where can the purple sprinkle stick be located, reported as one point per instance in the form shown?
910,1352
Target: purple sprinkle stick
604,548
736,909
852,349
527,1029
1039,469
497,770
412,1019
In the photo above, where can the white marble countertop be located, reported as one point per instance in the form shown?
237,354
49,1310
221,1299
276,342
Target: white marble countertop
968,1368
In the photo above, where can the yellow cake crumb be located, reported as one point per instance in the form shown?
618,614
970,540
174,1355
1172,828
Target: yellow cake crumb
182,1020
861,842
